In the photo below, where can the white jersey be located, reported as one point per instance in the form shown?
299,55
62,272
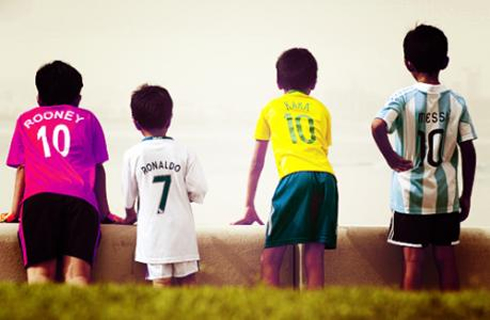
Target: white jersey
428,121
164,177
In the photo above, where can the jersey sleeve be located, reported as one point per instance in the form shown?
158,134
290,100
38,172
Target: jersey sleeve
262,129
129,182
195,180
466,129
16,155
98,142
391,112
328,120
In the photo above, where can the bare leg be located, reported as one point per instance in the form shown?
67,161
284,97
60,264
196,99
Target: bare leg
271,261
76,271
162,283
189,280
413,262
42,272
447,268
314,265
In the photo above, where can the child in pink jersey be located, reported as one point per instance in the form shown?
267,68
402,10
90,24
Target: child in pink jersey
58,150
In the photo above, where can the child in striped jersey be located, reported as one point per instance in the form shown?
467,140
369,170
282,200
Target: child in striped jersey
429,122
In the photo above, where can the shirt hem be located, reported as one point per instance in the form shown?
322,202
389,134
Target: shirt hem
305,170
468,137
425,213
63,194
168,260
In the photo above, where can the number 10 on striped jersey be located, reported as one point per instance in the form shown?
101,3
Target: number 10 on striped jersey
435,142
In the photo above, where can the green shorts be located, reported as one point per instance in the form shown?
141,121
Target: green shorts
304,209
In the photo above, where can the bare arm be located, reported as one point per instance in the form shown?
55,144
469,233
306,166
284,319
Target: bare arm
17,197
468,156
253,179
380,135
101,195
130,216
101,192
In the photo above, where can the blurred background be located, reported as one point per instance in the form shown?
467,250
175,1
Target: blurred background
217,60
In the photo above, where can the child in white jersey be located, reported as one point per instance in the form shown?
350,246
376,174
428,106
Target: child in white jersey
165,177
429,122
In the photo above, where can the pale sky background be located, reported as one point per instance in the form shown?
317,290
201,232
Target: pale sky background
217,59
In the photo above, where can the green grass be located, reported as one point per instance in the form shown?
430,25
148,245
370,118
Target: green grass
19,301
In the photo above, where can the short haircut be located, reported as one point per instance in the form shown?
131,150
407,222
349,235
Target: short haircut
58,83
296,70
426,48
151,107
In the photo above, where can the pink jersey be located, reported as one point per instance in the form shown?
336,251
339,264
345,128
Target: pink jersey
59,147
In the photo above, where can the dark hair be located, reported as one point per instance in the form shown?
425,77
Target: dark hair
151,107
426,48
58,83
296,70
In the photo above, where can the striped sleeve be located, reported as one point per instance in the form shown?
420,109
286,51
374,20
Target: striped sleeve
391,110
466,129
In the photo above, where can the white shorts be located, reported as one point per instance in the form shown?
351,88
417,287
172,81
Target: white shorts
170,270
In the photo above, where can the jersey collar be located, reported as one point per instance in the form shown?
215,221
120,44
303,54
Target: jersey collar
430,88
292,91
157,138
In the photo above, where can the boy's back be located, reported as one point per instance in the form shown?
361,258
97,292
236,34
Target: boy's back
162,178
304,204
429,122
58,150
165,177
59,147
299,128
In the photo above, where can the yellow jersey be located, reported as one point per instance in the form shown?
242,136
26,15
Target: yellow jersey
299,128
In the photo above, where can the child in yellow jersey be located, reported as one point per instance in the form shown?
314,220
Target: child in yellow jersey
304,205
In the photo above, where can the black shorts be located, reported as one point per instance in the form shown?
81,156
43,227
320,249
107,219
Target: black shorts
418,231
55,225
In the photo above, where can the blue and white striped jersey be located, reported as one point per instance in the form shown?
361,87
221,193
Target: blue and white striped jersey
428,121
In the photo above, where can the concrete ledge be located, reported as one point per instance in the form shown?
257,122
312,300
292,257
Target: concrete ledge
363,257
11,268
230,255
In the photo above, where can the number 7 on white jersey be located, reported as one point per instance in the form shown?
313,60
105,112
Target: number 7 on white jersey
166,179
